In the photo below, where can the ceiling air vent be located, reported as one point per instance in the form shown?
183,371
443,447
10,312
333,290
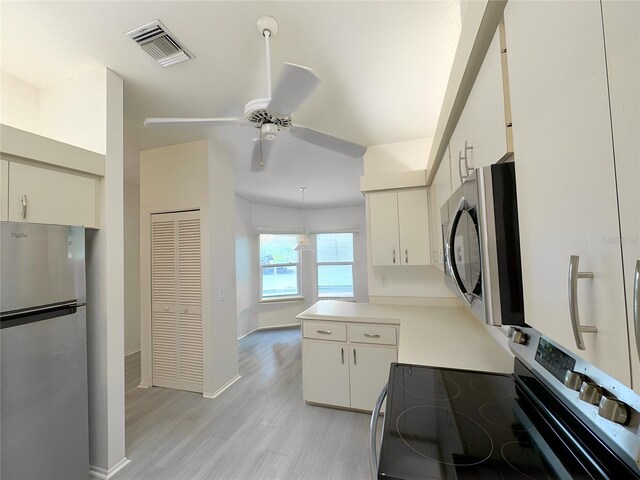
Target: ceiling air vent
155,39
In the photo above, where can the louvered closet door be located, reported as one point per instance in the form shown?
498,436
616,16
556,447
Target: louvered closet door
177,301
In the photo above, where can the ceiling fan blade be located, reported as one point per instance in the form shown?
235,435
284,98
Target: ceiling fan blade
295,84
327,141
261,155
214,122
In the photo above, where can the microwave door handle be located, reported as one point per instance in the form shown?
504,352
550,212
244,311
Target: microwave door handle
460,207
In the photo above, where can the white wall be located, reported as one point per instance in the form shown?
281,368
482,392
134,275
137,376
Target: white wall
246,271
105,295
405,284
194,175
72,112
131,268
254,218
397,157
19,103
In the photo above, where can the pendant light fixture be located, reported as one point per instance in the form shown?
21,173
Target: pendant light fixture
304,244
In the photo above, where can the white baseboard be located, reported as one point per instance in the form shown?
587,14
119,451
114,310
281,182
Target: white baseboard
221,389
248,333
270,327
102,474
274,327
144,385
132,352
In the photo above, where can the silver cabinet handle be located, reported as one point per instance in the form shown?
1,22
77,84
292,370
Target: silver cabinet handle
342,355
355,360
373,427
394,255
166,309
636,305
23,214
406,256
324,332
467,170
574,275
372,335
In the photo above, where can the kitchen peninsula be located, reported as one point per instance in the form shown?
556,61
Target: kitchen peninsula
344,343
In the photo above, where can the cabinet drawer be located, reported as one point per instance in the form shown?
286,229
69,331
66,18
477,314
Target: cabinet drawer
325,331
381,335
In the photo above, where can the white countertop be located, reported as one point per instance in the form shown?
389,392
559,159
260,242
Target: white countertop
435,336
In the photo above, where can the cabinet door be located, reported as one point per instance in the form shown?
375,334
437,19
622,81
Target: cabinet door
51,196
456,151
4,190
484,112
325,372
622,23
383,228
481,131
369,373
413,220
565,175
441,187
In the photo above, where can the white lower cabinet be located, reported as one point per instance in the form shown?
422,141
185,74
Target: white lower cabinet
369,371
348,373
326,372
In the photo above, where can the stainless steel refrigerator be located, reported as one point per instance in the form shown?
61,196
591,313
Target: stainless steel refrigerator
43,353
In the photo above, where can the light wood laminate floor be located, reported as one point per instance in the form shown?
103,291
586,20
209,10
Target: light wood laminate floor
259,428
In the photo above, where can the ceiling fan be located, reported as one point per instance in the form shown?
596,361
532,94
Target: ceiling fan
272,115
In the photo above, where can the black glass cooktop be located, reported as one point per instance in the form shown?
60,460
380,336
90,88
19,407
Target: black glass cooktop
459,424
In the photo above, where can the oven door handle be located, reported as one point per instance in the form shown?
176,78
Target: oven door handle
460,208
373,427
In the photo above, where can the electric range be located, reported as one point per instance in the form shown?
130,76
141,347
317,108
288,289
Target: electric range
443,423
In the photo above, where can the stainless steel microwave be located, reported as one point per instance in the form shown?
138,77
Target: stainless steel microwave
482,245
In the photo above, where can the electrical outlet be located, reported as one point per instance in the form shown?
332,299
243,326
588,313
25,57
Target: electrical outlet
221,295
384,280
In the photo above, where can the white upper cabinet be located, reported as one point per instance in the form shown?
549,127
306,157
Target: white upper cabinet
481,133
565,173
441,188
399,227
43,195
622,36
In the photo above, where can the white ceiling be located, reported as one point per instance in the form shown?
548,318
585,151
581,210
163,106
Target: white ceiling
383,65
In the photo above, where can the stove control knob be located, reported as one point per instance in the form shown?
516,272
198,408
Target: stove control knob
590,393
519,337
613,410
573,380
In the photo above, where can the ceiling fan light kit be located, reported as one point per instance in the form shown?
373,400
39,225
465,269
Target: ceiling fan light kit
272,115
268,131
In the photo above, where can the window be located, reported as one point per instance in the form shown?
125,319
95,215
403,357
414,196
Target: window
279,266
335,265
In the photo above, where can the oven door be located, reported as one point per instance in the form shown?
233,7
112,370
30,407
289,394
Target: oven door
463,249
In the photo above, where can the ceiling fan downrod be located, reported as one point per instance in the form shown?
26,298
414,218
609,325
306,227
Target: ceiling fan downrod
268,27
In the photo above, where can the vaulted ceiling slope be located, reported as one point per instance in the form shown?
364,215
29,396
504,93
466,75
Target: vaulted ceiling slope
384,66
